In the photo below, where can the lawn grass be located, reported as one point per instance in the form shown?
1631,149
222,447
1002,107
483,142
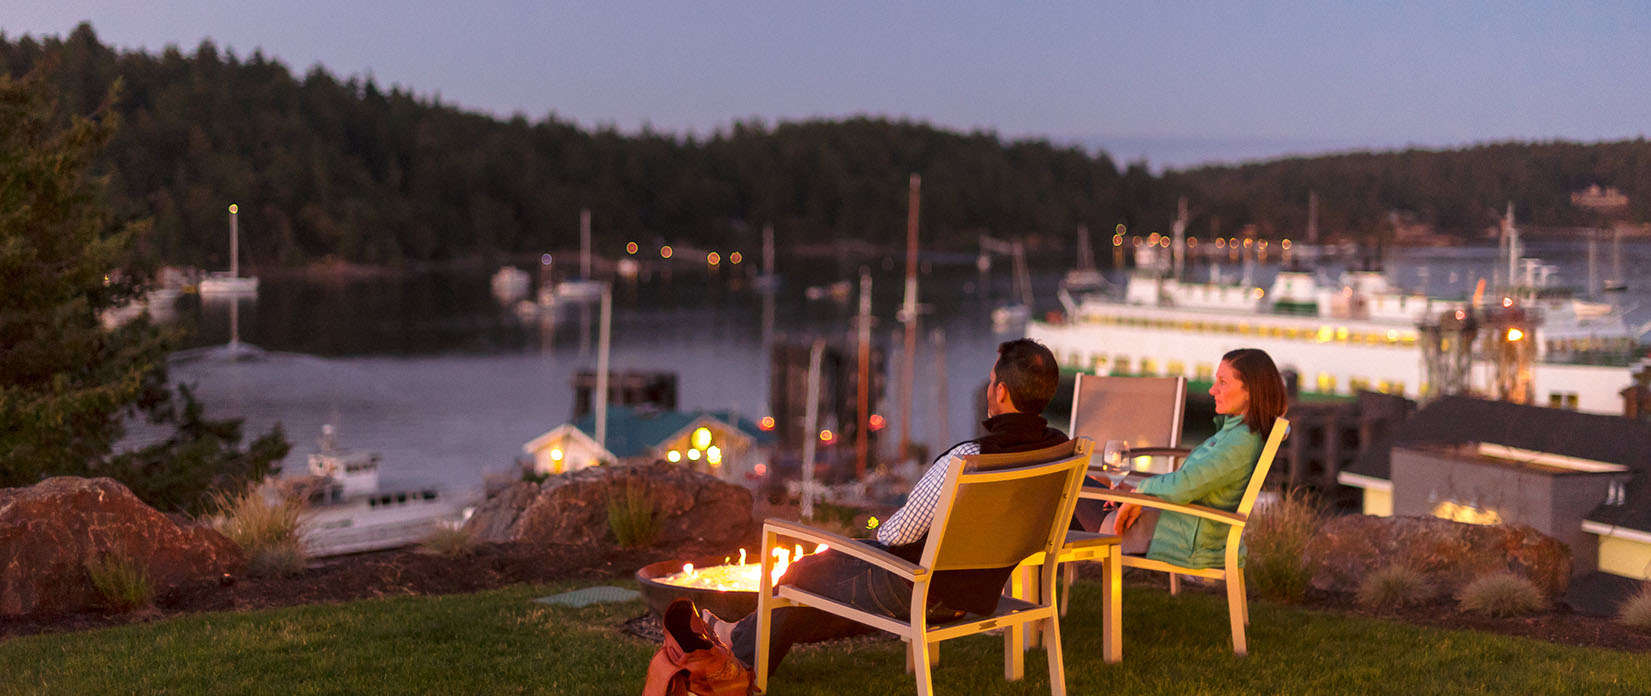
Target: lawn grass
498,642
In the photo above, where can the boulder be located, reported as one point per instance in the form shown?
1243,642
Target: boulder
1347,549
691,508
49,531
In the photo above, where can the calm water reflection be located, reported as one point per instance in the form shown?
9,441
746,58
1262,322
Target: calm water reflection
430,370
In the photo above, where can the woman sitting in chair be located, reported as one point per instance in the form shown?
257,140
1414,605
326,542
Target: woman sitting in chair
1249,396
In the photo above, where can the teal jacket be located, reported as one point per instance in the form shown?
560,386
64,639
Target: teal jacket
1214,475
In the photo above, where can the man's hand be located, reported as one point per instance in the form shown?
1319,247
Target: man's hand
1127,514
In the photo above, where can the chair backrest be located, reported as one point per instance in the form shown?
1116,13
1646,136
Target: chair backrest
995,510
1281,428
1141,411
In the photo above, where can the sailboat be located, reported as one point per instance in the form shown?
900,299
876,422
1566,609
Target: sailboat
230,283
584,288
1083,278
1617,282
1014,314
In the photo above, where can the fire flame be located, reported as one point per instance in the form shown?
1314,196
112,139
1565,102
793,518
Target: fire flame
737,577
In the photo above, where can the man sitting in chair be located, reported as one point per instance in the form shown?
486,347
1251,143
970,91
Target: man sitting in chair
1021,383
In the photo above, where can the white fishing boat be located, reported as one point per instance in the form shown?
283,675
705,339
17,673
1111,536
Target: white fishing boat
1359,333
230,283
348,513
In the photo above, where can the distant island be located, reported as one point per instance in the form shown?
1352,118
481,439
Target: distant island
350,172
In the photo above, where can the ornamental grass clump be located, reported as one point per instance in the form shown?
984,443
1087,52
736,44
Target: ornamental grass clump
449,540
268,529
1636,612
1395,587
122,582
1502,594
631,516
1276,564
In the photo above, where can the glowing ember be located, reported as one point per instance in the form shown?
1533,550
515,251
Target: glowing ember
733,577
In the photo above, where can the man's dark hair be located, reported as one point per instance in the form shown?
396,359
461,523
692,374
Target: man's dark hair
1030,372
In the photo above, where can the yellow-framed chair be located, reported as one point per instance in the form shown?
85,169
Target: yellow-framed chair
1230,572
994,512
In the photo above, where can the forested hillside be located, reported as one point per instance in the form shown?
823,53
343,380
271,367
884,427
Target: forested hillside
324,166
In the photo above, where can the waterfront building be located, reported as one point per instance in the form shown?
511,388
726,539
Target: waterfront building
1583,479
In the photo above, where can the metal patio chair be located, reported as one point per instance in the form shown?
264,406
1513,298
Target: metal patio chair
1231,571
995,511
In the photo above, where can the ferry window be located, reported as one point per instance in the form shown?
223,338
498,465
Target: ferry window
1341,333
1149,366
1571,401
1384,386
1176,367
1120,364
1327,383
1098,364
1292,333
1398,388
1205,371
1556,400
1356,384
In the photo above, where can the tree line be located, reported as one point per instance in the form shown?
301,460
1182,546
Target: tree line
329,167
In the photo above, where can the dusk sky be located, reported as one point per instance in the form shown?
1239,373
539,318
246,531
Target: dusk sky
1175,82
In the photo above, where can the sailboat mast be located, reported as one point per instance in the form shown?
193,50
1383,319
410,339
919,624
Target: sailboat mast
1313,218
862,409
1180,229
1616,256
768,250
234,242
1086,258
1513,245
909,359
584,243
604,346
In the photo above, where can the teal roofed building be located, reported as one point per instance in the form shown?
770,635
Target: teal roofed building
721,443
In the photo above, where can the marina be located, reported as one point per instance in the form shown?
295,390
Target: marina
431,371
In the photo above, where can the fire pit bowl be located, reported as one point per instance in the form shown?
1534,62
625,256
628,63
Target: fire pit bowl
729,605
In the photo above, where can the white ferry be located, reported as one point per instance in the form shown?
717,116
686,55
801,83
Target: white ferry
1358,334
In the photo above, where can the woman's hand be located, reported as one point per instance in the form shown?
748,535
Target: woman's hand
1127,514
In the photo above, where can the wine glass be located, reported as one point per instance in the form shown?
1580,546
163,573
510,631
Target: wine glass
1113,464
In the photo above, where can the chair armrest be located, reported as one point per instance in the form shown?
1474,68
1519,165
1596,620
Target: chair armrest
1157,452
1079,540
1150,501
842,544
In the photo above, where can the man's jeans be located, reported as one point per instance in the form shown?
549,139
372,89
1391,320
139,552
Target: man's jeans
836,576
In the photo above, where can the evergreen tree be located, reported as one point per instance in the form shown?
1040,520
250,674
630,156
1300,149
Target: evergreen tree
67,384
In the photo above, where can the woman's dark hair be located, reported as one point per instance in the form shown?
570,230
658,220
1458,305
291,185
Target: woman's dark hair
1260,377
1029,370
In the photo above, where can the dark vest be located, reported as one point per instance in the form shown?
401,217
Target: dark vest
977,591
